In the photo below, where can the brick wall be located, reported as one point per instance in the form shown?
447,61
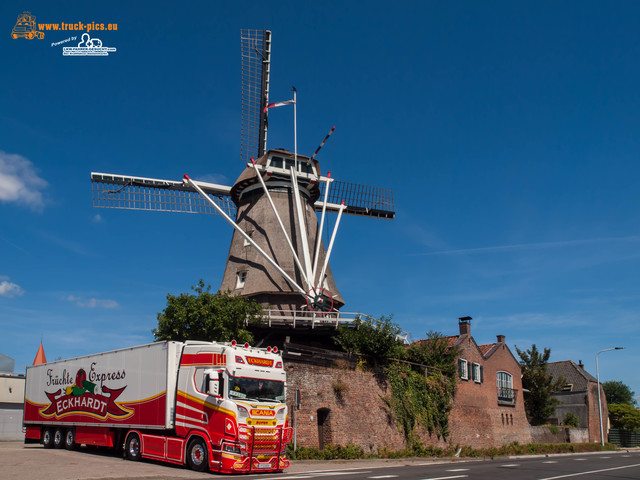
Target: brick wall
341,405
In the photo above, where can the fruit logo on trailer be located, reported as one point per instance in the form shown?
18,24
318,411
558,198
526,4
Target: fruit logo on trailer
81,398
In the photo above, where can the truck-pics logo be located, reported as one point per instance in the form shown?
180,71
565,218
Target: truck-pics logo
26,27
80,398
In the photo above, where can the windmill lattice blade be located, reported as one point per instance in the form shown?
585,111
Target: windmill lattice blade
137,193
256,55
360,199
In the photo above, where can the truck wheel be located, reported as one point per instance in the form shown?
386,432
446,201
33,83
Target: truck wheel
197,456
58,438
132,447
70,440
47,438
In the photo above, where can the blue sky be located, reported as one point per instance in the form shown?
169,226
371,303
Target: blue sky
507,131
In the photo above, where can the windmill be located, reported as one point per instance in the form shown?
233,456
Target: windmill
276,256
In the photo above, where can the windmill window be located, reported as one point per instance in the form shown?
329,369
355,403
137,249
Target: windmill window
306,168
276,162
242,277
246,242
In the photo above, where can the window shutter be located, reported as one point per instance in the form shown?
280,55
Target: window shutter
481,374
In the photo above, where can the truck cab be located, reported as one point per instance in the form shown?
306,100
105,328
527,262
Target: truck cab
230,408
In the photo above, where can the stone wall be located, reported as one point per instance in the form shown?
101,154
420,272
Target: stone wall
341,405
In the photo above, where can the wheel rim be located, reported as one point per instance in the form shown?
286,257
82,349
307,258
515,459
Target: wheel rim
57,438
197,454
69,438
46,438
134,447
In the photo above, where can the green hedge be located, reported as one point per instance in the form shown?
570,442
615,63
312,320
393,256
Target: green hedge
352,452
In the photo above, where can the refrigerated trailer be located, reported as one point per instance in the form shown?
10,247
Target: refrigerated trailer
214,406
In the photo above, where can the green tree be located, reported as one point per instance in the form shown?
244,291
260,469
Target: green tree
618,392
538,402
206,316
624,416
434,352
378,340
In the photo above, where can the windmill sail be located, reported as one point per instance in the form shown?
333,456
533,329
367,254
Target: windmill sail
256,58
140,193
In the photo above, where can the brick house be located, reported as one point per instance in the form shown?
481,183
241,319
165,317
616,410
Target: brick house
579,396
488,407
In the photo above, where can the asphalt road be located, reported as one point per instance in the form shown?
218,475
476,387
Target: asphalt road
31,462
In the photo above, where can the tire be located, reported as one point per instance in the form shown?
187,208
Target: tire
58,438
47,438
197,456
70,439
132,447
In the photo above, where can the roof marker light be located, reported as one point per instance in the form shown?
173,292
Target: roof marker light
233,343
268,349
275,349
246,345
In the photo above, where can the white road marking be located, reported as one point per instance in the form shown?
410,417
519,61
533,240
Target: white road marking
590,472
579,459
605,457
550,461
511,465
446,478
385,476
458,470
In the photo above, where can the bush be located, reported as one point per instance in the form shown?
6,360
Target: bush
571,420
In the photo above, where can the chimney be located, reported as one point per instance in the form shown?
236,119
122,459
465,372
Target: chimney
580,364
500,338
465,325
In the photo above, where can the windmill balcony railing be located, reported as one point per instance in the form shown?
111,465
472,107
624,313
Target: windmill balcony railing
507,396
310,319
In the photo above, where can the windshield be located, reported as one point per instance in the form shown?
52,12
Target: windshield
256,389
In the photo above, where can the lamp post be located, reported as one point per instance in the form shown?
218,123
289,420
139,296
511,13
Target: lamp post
600,401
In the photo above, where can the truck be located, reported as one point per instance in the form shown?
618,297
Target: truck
214,406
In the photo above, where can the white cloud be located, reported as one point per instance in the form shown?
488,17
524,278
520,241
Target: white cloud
9,289
97,218
19,181
91,302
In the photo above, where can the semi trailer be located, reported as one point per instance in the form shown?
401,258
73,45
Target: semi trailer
213,406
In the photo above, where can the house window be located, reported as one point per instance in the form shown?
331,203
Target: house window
242,276
568,387
476,373
463,369
506,393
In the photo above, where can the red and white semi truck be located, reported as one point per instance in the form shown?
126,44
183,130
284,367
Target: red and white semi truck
213,406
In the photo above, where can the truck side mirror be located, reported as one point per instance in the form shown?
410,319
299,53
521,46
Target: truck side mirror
212,382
